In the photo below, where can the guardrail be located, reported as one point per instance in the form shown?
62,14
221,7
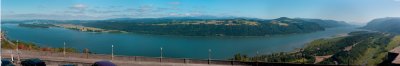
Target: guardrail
132,59
68,56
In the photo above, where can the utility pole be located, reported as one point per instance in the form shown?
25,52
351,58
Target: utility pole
112,52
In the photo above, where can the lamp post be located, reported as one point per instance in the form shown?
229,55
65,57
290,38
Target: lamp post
161,54
348,58
17,51
256,58
86,50
257,53
302,55
112,52
64,50
266,59
209,56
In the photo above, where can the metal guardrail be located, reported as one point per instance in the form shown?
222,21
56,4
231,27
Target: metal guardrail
43,54
133,59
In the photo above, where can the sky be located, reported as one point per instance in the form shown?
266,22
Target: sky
352,11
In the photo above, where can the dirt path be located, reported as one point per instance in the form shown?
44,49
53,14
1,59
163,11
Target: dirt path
321,58
348,48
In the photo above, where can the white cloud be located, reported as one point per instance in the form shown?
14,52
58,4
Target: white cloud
77,9
49,16
82,11
7,12
184,14
146,8
79,6
174,3
173,14
103,11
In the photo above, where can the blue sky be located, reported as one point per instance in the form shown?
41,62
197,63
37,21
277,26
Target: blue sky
355,11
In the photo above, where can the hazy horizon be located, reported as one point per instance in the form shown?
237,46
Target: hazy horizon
351,11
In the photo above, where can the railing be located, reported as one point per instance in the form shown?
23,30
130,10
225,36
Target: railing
134,59
71,56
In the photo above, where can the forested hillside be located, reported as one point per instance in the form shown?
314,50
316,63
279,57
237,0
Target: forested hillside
359,48
389,24
213,27
200,26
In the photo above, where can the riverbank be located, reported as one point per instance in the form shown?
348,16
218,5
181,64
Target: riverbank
87,29
21,45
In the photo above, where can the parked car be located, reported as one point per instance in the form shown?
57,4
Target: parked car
103,63
33,62
5,62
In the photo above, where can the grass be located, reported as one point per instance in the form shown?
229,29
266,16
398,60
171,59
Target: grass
31,46
376,54
393,43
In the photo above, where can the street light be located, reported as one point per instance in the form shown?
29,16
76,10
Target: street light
256,58
266,57
86,50
64,50
302,55
112,52
161,54
17,51
348,58
209,56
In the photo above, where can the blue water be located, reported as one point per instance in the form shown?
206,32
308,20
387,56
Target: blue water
173,46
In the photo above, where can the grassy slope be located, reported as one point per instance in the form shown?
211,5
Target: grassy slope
369,52
393,43
371,49
376,55
31,46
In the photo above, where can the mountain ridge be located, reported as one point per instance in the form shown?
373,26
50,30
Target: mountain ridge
388,24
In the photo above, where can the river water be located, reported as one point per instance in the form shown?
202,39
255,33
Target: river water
173,46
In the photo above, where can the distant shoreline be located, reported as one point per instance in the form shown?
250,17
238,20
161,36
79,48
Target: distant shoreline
99,30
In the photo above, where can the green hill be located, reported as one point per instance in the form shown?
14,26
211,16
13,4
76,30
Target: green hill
389,24
210,27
